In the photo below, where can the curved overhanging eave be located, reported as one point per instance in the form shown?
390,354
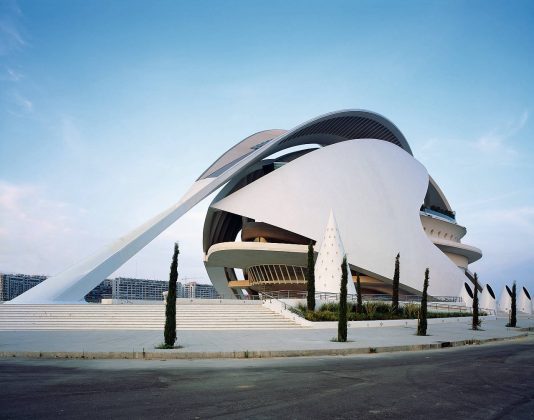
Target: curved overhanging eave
239,151
347,125
326,129
245,254
470,252
435,195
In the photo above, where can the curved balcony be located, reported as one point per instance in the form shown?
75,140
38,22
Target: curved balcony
439,212
470,253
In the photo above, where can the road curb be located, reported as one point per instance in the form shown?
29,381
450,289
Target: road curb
248,354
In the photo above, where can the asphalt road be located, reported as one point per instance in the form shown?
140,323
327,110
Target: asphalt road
479,382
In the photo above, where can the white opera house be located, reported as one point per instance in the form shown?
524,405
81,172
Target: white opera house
278,190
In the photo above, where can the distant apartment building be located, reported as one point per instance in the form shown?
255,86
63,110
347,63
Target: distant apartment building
194,290
12,285
121,288
103,291
138,289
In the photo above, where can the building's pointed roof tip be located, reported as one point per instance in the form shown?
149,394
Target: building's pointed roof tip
332,226
332,215
332,222
332,218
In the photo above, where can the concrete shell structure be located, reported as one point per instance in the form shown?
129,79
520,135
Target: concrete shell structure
466,294
505,300
488,299
278,189
524,301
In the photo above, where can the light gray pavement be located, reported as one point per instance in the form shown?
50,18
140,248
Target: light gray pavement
256,343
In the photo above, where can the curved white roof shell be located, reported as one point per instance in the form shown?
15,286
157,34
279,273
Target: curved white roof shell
378,222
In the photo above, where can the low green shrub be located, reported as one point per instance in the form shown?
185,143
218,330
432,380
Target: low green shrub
321,316
369,309
372,311
331,307
411,310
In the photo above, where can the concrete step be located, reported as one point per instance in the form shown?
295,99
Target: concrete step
179,328
140,321
192,316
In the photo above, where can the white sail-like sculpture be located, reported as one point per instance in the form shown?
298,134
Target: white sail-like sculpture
505,300
525,302
487,299
466,294
329,260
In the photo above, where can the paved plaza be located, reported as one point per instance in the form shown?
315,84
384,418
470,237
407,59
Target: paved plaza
250,343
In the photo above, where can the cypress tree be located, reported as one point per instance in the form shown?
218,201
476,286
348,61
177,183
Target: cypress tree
513,311
170,308
476,321
359,305
422,324
342,322
396,279
310,279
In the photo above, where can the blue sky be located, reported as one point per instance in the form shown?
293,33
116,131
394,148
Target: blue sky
110,110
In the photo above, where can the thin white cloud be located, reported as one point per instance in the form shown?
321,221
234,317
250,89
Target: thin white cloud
516,126
10,37
11,30
11,75
429,148
37,234
518,218
493,199
506,237
23,102
498,144
70,133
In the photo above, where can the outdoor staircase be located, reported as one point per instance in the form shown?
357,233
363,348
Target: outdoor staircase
192,316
